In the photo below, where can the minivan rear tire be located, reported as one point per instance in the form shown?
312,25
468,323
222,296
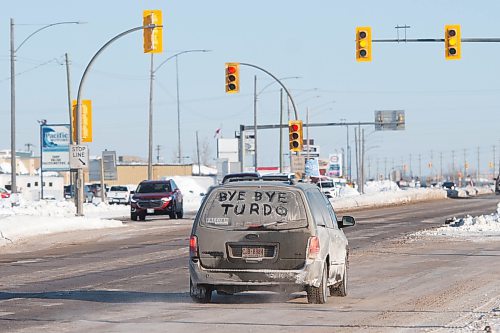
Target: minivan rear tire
319,295
203,294
340,289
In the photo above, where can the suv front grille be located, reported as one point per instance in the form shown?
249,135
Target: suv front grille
236,251
150,203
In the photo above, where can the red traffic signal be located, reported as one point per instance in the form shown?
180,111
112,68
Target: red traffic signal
232,77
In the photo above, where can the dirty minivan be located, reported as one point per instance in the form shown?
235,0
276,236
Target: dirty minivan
268,236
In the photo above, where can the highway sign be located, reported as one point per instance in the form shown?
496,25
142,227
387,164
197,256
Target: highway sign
79,157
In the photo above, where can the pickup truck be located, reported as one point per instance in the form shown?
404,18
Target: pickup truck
119,194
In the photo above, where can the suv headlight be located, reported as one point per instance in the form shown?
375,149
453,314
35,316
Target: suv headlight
166,199
133,200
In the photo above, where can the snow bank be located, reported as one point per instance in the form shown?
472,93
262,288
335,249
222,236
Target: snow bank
478,228
387,197
193,189
15,228
381,186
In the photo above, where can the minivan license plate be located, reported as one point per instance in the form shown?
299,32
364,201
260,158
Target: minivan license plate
252,252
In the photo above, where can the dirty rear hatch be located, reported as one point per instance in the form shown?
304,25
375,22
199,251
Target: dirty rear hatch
253,227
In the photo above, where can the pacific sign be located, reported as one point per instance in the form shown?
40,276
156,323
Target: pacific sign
55,147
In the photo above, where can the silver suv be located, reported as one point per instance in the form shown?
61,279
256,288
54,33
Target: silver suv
268,235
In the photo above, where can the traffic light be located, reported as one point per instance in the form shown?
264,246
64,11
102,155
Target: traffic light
452,42
153,37
363,44
296,135
232,77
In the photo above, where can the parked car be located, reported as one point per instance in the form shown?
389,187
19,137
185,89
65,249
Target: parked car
69,192
268,235
156,197
119,194
4,193
449,185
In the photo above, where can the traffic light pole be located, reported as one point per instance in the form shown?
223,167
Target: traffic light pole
79,182
420,40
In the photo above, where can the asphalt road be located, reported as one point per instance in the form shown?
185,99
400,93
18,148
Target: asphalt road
136,279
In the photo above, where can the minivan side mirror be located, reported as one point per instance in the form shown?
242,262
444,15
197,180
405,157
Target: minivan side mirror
132,192
347,221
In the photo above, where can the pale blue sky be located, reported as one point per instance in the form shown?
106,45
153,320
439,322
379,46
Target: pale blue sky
450,105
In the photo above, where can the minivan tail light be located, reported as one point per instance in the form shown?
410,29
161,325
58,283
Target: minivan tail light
313,248
193,246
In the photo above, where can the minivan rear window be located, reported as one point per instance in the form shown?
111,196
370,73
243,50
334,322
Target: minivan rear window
254,208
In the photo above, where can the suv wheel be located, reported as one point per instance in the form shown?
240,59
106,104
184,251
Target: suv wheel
172,214
200,294
318,295
340,289
180,213
133,216
142,217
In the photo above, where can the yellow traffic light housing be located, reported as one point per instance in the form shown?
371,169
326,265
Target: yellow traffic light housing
295,130
363,44
153,37
232,77
452,42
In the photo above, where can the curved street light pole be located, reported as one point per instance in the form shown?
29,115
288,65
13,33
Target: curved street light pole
152,72
79,182
13,51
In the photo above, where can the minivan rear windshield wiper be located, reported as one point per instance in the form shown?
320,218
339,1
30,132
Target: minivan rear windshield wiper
265,225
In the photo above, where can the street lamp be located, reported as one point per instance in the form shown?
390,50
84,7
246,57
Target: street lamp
13,51
152,72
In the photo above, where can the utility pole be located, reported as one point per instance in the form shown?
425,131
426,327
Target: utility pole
356,145
385,168
441,166
255,120
150,123
363,160
453,172
378,173
465,166
410,169
281,131
198,153
478,171
420,167
432,166
494,161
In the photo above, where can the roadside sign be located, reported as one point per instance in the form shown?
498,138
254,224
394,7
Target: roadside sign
79,157
109,163
390,120
55,147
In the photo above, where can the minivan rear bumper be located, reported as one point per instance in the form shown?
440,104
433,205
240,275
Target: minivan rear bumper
257,279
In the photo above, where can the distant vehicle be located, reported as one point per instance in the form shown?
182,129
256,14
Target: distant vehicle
156,197
4,194
96,189
234,177
268,235
497,185
69,192
449,185
329,188
119,194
